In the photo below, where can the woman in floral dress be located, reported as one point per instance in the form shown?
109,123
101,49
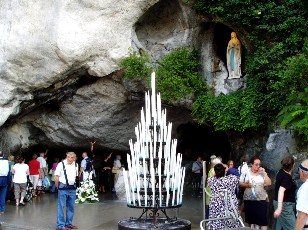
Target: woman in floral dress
218,184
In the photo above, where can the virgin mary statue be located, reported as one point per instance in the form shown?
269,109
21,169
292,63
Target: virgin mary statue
234,57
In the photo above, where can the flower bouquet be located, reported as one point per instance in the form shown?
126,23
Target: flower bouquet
86,192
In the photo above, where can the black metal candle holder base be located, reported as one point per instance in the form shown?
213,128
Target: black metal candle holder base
161,223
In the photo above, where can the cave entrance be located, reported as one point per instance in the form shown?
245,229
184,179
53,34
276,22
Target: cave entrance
200,140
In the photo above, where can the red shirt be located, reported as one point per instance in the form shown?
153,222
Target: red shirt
34,167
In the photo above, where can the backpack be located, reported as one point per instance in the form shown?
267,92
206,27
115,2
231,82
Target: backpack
88,165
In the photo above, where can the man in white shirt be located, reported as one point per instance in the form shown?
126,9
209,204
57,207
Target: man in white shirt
65,181
4,180
197,172
43,165
85,171
302,198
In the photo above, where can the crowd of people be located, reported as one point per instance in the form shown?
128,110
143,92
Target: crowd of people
241,193
65,176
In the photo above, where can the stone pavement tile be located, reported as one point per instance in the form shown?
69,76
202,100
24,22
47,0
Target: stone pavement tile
40,213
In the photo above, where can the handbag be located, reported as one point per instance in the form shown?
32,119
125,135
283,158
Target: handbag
46,183
40,186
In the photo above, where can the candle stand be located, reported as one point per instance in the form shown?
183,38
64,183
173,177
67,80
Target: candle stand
155,178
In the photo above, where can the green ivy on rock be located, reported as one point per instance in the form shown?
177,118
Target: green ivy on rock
136,66
178,76
276,64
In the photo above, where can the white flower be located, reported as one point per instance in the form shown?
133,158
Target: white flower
86,192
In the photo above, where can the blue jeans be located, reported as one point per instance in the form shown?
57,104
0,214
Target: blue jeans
66,198
286,220
53,187
2,197
8,187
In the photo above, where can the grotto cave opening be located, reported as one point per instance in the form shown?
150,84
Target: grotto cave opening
200,140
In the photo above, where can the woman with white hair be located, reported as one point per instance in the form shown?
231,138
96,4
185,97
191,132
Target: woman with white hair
211,173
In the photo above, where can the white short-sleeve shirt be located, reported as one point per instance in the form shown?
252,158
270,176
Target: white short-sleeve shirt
42,161
4,167
117,163
243,168
71,172
302,199
247,177
83,163
20,173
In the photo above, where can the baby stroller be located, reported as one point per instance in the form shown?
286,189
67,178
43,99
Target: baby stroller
29,191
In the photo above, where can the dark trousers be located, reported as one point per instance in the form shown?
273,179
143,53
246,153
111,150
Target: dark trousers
197,182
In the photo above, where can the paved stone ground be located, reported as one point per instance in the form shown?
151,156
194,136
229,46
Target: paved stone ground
40,213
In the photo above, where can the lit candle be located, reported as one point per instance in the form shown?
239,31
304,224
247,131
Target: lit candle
148,109
165,168
159,181
173,196
143,128
167,182
126,187
131,179
140,132
153,186
138,189
151,147
155,138
145,183
158,109
182,184
153,95
169,139
160,149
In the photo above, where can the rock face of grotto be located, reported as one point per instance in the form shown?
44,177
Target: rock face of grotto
61,85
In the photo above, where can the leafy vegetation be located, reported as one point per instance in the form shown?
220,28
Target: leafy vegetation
276,63
177,73
295,114
275,35
178,76
136,66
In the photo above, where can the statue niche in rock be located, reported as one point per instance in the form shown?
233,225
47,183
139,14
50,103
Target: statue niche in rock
234,57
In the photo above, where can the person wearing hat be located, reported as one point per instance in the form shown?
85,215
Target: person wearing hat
211,173
302,198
